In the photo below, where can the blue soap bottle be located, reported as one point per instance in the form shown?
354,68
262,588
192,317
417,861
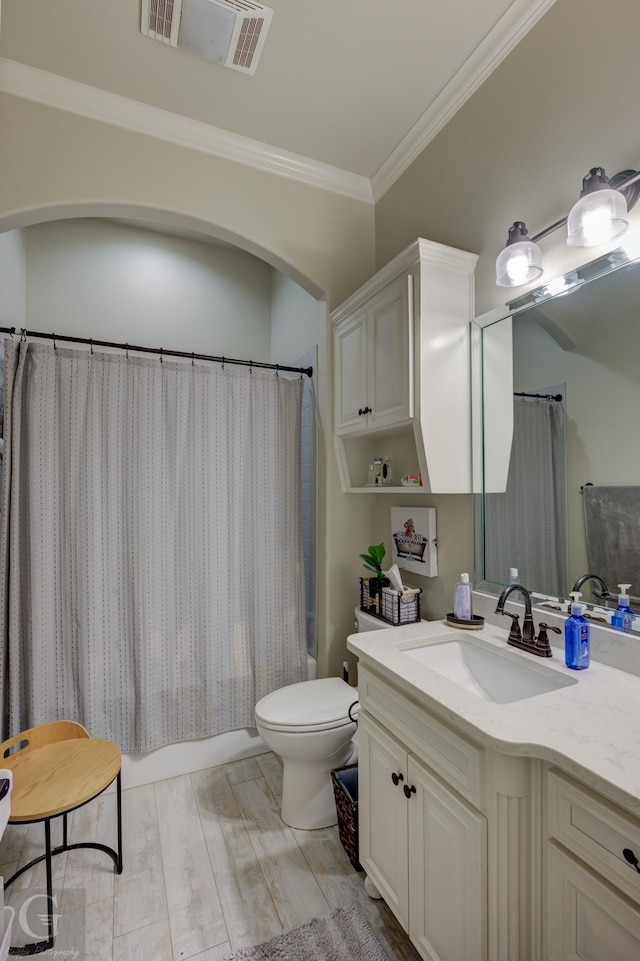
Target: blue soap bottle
577,654
622,617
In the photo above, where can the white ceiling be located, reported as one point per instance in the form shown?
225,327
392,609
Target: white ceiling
357,85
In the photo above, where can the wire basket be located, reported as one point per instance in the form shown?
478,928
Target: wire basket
389,605
345,789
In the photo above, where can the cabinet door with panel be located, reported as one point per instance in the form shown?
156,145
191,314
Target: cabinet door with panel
593,888
390,355
423,847
374,362
350,345
382,819
587,920
447,871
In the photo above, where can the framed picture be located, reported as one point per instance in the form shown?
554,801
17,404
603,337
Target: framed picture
413,539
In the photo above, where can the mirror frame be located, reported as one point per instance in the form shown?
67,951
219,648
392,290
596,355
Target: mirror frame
495,407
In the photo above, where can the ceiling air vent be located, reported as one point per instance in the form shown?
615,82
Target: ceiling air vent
230,32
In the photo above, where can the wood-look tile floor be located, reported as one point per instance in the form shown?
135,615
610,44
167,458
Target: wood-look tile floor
209,866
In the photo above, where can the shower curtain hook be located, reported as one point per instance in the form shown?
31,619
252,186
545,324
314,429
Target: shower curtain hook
250,366
161,358
277,370
126,351
23,335
223,363
55,346
193,362
91,345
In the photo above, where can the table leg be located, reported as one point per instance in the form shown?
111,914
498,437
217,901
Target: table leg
119,815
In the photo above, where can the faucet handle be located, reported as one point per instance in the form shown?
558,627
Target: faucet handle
542,640
515,634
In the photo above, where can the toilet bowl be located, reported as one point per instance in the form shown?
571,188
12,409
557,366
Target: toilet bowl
308,726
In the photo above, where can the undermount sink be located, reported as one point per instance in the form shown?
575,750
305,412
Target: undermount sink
488,672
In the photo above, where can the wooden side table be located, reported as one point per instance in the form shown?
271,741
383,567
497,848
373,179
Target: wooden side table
51,780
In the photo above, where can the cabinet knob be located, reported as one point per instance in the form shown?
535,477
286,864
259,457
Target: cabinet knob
396,778
365,410
408,791
631,858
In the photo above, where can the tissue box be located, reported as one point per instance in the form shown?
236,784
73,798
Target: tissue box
400,607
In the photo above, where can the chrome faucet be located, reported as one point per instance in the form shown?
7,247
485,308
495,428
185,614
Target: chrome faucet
603,594
525,639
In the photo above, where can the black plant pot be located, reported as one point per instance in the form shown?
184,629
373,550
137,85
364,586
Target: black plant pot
376,584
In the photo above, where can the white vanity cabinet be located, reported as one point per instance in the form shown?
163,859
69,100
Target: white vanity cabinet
402,371
423,845
423,848
592,892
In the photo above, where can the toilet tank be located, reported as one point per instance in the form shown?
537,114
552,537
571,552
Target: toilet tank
367,622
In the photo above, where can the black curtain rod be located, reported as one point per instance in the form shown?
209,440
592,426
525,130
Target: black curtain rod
557,397
190,355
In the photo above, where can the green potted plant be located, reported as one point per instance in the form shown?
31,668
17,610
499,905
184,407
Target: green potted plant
372,560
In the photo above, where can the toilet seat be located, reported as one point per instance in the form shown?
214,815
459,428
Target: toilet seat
320,705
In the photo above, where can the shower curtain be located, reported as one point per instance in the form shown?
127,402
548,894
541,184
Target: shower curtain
533,510
150,544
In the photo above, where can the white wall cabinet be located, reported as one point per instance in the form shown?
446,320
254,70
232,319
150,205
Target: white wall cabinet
593,892
374,362
402,371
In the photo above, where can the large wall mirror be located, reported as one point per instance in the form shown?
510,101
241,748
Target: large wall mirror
560,462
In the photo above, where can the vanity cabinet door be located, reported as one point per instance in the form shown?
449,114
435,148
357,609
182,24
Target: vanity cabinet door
447,871
382,816
586,919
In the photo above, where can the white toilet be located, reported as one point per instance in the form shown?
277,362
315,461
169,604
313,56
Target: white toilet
308,725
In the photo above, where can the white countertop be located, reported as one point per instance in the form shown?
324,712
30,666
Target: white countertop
590,729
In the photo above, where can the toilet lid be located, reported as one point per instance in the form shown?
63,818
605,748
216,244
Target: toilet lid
314,705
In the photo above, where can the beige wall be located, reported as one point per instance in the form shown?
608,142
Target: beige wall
518,150
55,164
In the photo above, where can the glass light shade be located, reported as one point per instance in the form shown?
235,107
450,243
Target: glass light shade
597,218
518,264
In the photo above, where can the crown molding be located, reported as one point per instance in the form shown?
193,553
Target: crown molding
521,16
30,83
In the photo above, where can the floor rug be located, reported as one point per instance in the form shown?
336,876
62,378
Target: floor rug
345,935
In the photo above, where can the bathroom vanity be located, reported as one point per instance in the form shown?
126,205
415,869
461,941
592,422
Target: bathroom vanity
498,796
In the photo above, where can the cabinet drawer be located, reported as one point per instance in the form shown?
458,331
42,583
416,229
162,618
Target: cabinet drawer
594,829
456,760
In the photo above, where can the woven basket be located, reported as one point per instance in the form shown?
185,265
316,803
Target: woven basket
345,789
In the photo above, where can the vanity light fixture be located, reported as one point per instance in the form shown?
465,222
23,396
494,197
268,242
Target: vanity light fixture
598,217
521,260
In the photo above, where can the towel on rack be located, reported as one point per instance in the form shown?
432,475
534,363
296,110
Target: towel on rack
612,528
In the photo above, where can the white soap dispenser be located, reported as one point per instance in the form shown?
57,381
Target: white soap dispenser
575,599
622,617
